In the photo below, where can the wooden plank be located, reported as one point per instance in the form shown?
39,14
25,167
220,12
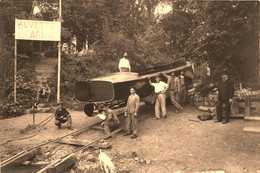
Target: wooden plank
20,159
257,118
79,142
252,129
60,165
97,128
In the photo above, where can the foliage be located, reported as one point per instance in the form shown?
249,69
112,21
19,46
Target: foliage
220,33
213,32
26,90
75,68
152,47
8,110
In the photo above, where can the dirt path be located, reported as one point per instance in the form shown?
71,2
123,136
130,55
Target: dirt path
166,145
176,144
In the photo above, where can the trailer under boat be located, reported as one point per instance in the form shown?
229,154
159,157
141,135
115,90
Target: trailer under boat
114,88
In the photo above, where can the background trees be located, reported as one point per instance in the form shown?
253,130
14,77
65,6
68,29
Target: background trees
224,34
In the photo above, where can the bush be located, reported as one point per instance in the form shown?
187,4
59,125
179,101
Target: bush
26,90
9,110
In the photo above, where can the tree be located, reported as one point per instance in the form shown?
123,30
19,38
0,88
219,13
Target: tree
210,31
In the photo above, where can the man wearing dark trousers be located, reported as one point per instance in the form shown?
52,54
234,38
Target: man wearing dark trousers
225,95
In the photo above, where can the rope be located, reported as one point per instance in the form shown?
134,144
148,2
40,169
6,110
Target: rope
50,118
37,124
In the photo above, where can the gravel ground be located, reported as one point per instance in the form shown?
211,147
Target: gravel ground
175,144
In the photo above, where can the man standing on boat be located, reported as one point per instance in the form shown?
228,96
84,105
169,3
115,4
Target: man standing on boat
160,88
131,113
124,64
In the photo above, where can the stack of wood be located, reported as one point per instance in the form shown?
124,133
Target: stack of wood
210,100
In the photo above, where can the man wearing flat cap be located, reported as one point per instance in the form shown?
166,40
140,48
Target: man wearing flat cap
225,96
62,116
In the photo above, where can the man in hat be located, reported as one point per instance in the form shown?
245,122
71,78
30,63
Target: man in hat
131,113
62,116
124,64
160,88
225,96
111,120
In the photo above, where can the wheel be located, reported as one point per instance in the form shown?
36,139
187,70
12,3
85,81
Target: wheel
88,109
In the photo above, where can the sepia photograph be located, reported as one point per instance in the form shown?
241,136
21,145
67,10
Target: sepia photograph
129,86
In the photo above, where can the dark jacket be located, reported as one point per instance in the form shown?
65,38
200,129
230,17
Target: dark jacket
61,114
225,90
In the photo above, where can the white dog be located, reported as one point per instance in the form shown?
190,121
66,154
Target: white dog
106,163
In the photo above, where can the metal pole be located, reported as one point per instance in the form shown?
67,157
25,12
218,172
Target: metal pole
59,58
15,68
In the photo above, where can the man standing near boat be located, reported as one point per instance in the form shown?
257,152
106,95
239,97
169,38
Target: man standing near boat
131,113
124,64
160,88
174,88
111,122
183,89
225,96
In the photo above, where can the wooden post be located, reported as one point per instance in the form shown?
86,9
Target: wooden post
59,58
247,105
240,86
33,115
15,68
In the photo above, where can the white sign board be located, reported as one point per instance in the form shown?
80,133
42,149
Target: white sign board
37,30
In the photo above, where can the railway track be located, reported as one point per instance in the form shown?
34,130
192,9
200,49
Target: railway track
64,162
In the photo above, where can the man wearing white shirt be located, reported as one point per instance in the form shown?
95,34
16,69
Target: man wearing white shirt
160,88
124,64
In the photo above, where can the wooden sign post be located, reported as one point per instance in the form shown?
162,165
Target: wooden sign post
37,30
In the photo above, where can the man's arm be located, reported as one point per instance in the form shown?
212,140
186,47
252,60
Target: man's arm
167,77
116,118
119,65
66,113
48,89
129,66
166,87
137,101
149,80
127,104
56,115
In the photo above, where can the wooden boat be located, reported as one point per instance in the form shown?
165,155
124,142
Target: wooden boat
114,88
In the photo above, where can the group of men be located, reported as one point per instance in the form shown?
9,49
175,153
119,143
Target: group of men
178,89
177,86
